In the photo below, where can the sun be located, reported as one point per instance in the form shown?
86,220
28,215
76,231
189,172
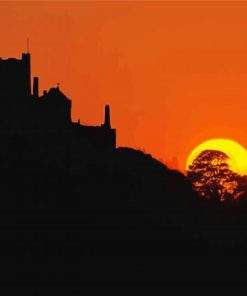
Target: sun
236,153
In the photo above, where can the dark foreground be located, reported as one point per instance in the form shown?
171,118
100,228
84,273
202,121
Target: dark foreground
134,223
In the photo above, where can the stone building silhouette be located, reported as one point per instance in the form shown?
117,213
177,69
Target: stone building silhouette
34,127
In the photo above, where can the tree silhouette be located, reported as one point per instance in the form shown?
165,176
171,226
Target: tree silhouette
212,178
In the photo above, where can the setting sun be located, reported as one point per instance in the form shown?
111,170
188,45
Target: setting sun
236,153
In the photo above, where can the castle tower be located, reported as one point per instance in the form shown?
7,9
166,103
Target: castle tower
15,77
107,123
26,70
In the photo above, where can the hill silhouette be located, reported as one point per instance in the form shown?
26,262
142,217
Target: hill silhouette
76,211
127,220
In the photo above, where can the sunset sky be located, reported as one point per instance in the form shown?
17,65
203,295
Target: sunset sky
174,73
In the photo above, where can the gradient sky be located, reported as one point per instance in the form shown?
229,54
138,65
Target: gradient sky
174,73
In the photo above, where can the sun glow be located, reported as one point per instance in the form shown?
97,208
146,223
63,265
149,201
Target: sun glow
236,152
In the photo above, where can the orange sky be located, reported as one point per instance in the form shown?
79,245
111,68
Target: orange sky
174,73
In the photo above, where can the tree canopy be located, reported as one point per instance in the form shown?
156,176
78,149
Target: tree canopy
212,177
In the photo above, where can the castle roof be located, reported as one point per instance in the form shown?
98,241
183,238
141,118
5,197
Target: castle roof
55,94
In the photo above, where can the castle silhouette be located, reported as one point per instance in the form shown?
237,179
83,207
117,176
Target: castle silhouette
39,127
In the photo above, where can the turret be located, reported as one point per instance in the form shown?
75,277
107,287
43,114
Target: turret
107,123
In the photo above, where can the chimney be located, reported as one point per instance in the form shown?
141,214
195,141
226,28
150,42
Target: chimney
36,87
107,123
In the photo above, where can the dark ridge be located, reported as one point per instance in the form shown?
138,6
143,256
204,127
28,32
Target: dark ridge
75,211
